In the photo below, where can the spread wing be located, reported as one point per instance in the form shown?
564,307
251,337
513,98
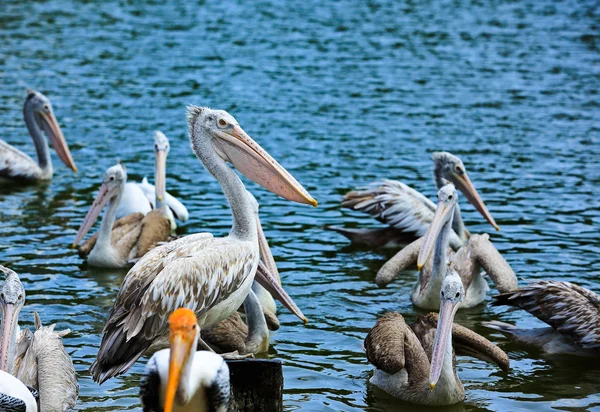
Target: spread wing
16,164
570,309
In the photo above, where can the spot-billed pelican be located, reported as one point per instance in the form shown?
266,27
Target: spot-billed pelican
416,363
571,311
40,120
407,212
211,276
182,379
468,261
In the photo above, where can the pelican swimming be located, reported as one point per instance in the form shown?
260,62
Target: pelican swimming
407,212
40,120
468,261
211,276
416,363
182,379
117,244
571,311
141,197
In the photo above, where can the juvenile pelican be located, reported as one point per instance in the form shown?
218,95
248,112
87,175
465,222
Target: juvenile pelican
39,118
571,311
407,212
416,363
179,378
211,276
468,261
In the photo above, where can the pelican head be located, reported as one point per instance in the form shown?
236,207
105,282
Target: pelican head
12,299
442,220
218,131
451,295
450,167
113,183
161,150
39,115
183,336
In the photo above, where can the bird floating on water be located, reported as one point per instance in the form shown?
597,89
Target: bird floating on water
41,123
407,212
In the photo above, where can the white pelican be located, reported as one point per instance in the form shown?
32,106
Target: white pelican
141,197
179,378
15,396
39,118
407,212
117,244
211,276
416,363
571,311
468,261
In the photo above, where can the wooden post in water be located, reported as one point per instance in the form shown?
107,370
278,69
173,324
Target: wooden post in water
256,385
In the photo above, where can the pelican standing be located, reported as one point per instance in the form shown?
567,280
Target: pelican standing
407,212
468,261
416,363
39,118
211,276
571,311
182,379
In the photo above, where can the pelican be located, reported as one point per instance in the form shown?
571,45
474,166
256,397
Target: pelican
571,311
40,120
468,261
407,212
141,197
402,353
15,396
117,244
179,378
211,276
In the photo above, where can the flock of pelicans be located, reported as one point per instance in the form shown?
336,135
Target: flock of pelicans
184,293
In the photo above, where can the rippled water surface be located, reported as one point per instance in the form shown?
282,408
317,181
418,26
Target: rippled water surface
341,93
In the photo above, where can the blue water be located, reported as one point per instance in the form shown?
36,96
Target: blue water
341,93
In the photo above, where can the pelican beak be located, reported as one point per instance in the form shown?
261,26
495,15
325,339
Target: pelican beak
439,219
265,253
10,316
235,146
104,195
160,174
443,333
181,345
463,183
271,284
52,130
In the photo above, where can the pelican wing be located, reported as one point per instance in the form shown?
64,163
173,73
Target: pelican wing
497,268
178,208
16,164
156,228
227,336
385,343
120,229
405,259
570,309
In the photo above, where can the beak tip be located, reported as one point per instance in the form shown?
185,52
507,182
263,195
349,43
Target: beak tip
305,321
419,266
431,385
497,228
314,203
74,246
160,198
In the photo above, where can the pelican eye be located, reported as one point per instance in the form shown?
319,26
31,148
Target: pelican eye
112,178
458,169
442,293
450,197
222,122
457,295
20,297
46,107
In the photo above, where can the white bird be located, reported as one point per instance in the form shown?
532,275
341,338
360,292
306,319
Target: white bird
14,395
40,120
179,378
211,276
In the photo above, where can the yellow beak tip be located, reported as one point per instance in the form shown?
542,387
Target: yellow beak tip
75,169
431,385
314,203
419,266
497,228
74,246
305,320
160,198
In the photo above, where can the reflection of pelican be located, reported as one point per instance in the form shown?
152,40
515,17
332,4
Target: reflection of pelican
181,379
468,261
141,197
211,276
402,353
130,237
572,312
39,118
407,212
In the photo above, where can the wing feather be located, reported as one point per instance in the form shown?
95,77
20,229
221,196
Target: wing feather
16,164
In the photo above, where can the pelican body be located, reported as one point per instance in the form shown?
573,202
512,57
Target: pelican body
407,212
416,363
211,276
41,123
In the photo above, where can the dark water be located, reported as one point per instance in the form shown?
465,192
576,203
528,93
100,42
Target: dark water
341,94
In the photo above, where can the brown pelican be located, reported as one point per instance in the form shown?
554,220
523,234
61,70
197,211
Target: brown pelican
39,118
141,197
406,211
182,379
572,312
211,276
468,261
117,244
402,353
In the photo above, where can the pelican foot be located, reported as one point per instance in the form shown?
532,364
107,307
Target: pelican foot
235,355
